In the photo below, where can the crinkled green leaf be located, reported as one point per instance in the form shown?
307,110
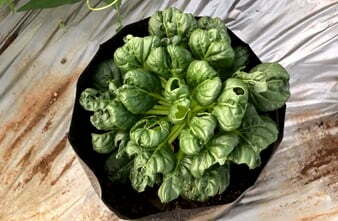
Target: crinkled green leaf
150,132
244,154
242,55
162,161
132,148
257,133
175,88
203,126
125,59
93,100
180,58
114,115
112,86
142,46
231,104
216,152
139,180
213,182
147,165
143,79
212,46
256,81
176,40
120,141
189,144
221,146
173,182
172,22
201,162
101,120
121,117
199,71
180,182
39,4
170,188
106,73
207,22
158,62
104,143
176,22
277,79
207,91
179,110
214,23
155,25
135,99
134,52
118,168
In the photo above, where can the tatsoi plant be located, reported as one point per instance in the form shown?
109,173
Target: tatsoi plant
175,109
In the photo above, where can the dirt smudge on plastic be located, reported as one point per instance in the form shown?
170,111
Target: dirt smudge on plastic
47,126
322,216
36,105
9,41
45,163
24,161
302,116
65,168
319,151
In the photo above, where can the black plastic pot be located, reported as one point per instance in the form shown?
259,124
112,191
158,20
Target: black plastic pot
122,199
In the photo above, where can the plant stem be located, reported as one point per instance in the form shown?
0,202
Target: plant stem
160,107
157,96
180,155
163,82
157,112
193,103
175,132
165,103
198,108
103,7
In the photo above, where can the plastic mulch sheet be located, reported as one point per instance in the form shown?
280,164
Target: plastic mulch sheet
300,179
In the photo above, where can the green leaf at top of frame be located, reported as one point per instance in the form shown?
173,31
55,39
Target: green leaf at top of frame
40,4
5,2
116,4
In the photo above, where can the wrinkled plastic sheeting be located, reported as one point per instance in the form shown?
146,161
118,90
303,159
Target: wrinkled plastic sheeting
300,180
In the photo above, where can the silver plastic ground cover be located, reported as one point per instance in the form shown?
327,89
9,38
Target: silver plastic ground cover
42,53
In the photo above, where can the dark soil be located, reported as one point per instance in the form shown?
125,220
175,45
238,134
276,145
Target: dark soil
122,199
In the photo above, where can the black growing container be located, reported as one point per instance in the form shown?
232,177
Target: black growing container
123,200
